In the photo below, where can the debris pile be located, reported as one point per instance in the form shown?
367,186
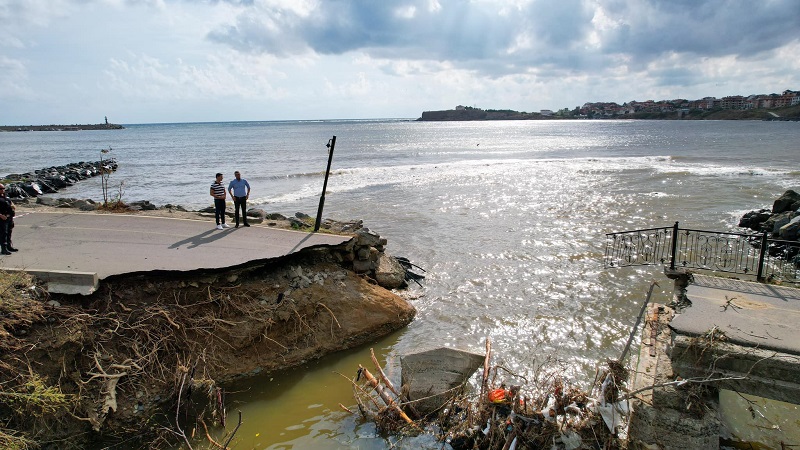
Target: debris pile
545,412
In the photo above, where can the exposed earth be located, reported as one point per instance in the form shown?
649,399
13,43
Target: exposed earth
86,371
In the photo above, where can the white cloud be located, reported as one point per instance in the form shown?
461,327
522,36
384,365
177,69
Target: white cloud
164,60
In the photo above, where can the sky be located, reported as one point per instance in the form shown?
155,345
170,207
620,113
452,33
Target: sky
162,61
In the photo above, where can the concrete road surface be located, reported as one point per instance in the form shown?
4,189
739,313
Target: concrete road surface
67,243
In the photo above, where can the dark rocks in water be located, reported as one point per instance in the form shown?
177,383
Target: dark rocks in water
754,219
14,190
782,222
32,189
50,179
789,201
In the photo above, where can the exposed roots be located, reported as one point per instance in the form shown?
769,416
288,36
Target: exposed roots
141,353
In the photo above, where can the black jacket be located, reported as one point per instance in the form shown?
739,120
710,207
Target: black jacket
5,207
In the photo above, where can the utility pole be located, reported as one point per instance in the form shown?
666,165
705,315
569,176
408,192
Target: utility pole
331,144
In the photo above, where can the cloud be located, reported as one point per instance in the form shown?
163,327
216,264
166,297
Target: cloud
499,38
174,60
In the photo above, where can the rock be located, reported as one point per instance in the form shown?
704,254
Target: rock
257,213
296,223
302,216
754,219
428,375
48,201
363,253
275,216
32,189
13,190
789,231
84,205
363,266
774,223
785,202
368,238
144,205
389,273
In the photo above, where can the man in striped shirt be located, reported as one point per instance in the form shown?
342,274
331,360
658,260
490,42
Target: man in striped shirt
218,192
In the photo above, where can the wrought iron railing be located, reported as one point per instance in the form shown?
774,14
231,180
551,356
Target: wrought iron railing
707,250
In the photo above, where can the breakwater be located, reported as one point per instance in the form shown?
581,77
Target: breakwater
50,180
96,126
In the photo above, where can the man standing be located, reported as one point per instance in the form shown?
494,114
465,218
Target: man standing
6,222
218,192
240,191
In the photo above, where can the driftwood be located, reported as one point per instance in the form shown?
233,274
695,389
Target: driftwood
383,376
387,399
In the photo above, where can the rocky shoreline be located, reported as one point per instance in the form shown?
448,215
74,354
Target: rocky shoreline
49,180
780,222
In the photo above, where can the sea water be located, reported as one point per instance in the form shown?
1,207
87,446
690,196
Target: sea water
507,218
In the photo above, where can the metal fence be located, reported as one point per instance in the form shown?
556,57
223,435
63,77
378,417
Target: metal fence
707,250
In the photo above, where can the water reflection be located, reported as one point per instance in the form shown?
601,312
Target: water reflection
299,408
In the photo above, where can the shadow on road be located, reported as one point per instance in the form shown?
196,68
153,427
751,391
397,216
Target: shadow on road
205,237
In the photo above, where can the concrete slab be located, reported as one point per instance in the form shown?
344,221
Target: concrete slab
750,314
116,244
430,376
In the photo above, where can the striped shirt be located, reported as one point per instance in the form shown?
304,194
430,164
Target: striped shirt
218,189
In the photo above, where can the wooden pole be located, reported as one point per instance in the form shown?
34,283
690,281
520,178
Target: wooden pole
331,144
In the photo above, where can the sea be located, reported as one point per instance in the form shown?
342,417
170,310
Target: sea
507,221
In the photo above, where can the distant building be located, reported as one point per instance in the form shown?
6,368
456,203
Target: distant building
546,112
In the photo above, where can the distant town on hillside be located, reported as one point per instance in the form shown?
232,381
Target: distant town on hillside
736,106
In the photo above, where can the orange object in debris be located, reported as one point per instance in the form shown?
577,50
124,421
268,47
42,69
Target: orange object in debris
497,395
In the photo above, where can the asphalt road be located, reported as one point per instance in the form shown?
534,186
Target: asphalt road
115,244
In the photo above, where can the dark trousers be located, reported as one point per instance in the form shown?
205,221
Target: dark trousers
219,210
5,233
240,202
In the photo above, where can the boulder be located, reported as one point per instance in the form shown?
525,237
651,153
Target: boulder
360,266
774,223
48,201
789,231
785,202
275,216
754,219
367,238
13,190
144,205
32,189
429,377
84,205
256,212
389,273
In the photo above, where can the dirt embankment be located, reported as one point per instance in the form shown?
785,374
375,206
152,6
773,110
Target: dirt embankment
111,367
